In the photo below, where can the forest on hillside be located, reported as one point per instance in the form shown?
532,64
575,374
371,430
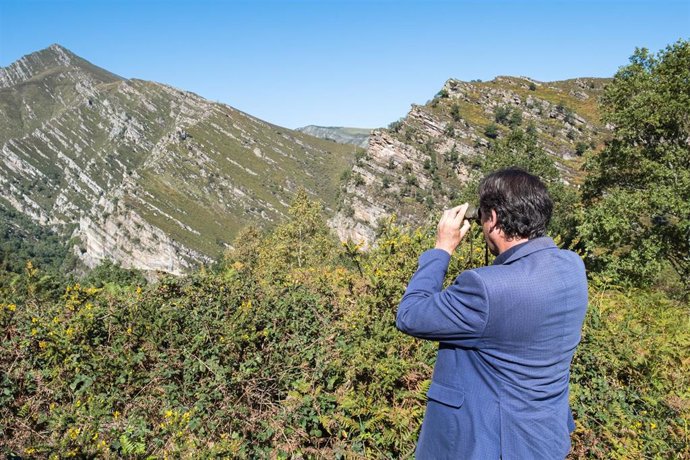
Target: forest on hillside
287,347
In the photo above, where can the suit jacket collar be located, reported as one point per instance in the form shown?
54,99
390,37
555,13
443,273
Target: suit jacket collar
524,249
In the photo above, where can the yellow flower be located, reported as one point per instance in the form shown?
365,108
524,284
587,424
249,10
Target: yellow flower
30,270
138,290
73,433
168,413
652,425
34,320
11,307
42,344
34,331
116,414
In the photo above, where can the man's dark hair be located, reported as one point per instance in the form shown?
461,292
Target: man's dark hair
522,203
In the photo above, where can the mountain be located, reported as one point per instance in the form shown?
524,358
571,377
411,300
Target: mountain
141,172
354,136
451,131
158,178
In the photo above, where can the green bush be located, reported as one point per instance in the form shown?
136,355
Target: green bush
491,131
502,114
288,348
455,113
630,379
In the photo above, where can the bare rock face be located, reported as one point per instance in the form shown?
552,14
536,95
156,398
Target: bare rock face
110,236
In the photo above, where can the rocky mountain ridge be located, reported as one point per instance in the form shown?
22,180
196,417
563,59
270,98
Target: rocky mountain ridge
161,179
419,163
143,173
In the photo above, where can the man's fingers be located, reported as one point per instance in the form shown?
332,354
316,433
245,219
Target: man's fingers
444,217
465,228
457,209
458,213
453,216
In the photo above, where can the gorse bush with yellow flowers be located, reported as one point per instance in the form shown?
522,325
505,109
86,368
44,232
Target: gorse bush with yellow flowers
287,348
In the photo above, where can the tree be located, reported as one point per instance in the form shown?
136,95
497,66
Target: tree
300,240
637,192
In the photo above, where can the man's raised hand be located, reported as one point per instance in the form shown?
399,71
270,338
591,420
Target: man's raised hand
452,228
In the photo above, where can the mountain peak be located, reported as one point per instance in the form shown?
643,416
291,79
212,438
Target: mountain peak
60,52
53,57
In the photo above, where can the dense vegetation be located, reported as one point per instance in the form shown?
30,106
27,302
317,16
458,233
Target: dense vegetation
637,220
21,239
287,347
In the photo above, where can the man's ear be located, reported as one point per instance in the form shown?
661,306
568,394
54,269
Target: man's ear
493,220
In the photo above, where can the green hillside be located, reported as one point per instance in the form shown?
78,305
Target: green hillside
143,173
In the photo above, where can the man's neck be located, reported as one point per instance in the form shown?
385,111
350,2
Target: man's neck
503,245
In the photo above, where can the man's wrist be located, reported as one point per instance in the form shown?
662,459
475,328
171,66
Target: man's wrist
445,247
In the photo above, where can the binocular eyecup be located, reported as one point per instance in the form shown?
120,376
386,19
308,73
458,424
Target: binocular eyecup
473,214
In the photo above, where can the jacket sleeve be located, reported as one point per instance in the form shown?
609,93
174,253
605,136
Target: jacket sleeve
426,311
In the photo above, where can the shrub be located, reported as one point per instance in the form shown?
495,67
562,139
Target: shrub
288,347
395,125
515,119
455,113
629,384
502,114
491,131
581,148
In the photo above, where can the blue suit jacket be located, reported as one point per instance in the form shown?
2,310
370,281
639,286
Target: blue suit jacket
506,334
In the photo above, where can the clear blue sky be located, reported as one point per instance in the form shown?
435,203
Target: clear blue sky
329,62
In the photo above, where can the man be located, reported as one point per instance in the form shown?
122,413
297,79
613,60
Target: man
506,332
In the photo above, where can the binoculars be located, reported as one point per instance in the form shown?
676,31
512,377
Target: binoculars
473,214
